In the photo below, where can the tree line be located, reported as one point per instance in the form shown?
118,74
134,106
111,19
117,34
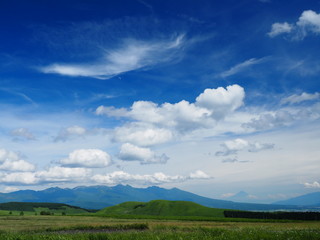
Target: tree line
309,216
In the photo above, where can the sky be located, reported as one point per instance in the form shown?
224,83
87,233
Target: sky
212,97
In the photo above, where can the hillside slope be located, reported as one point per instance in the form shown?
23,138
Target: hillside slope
38,207
162,208
310,199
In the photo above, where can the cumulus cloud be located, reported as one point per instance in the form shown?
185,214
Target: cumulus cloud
70,132
17,166
233,146
89,158
280,28
129,152
142,134
270,120
11,161
241,67
308,22
312,185
131,55
24,178
121,177
153,123
52,175
300,98
221,101
22,134
62,174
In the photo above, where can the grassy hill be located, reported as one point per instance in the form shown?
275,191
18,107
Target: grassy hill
162,208
36,208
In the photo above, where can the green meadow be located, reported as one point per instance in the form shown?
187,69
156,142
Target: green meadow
155,220
98,227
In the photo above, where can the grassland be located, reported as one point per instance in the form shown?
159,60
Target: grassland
162,208
155,220
95,227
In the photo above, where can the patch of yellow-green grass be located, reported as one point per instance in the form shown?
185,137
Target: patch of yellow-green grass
42,223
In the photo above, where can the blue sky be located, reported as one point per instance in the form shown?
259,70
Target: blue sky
211,97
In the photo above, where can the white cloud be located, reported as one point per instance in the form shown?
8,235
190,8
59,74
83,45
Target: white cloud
257,147
309,22
112,111
271,120
199,175
312,185
233,146
89,158
280,28
17,166
168,119
70,132
120,177
129,152
283,117
62,174
11,161
52,175
22,178
241,67
131,55
6,155
221,101
300,98
142,134
22,134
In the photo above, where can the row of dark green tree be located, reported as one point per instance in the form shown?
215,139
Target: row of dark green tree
308,216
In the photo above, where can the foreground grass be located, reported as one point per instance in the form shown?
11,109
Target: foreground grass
102,228
173,234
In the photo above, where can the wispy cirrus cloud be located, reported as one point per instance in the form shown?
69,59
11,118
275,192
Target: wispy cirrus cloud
131,55
242,66
295,98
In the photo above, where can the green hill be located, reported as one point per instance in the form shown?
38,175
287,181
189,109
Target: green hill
162,208
48,208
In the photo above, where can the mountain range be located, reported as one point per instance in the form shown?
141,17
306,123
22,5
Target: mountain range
98,197
310,199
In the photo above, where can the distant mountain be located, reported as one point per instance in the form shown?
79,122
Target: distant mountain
162,208
310,199
98,197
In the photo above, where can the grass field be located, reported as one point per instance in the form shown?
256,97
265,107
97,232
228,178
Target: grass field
162,208
96,228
